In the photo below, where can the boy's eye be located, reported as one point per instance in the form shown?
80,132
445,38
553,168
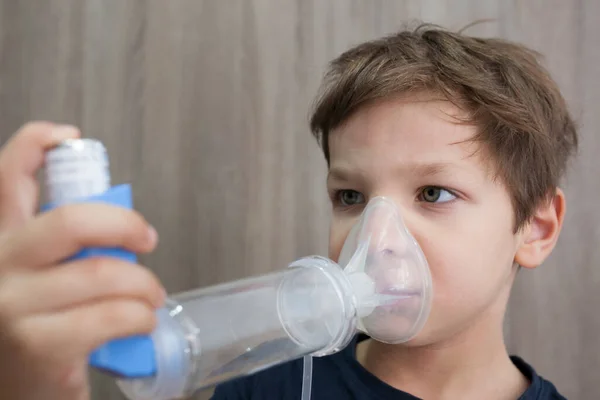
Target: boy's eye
350,197
435,194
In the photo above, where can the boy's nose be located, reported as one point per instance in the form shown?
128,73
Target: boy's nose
385,228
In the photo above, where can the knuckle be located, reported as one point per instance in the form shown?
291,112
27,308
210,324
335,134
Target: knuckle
99,271
133,315
72,219
126,312
67,220
33,124
120,277
23,135
31,131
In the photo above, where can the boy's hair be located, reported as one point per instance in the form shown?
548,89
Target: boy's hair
524,124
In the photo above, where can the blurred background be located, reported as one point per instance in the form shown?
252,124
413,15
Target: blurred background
203,106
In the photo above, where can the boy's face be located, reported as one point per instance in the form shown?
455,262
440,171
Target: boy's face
413,152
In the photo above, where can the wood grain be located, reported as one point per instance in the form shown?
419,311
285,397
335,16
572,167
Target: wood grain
203,106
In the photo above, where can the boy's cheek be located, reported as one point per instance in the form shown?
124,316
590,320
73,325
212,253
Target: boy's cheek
337,237
338,232
468,271
460,291
456,259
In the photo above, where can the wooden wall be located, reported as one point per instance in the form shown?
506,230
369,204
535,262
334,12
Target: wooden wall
204,104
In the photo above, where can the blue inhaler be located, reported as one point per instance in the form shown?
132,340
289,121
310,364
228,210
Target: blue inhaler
77,170
381,285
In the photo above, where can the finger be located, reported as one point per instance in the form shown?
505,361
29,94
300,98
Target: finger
74,333
20,158
77,282
58,234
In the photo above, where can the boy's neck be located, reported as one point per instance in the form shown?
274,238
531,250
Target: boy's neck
471,365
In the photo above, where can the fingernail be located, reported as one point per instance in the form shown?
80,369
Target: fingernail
164,297
63,132
152,235
161,299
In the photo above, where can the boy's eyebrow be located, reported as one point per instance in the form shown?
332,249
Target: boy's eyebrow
430,169
338,174
421,169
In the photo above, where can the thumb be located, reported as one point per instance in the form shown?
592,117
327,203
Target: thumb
20,159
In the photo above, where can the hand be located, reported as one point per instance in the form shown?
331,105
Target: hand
54,313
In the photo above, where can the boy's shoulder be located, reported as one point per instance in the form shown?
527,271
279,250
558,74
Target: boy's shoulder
540,388
340,376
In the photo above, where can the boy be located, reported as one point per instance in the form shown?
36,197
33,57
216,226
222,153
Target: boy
468,137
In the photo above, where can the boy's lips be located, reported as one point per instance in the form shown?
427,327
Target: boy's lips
400,292
398,298
390,285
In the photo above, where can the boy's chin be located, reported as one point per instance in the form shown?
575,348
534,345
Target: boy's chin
395,330
389,327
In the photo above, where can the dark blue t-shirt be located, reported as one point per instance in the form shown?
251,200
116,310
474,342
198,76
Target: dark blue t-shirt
340,376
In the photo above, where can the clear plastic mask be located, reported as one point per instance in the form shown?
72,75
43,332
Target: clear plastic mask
389,274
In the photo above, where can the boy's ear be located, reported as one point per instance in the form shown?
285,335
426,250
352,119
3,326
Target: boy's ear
539,236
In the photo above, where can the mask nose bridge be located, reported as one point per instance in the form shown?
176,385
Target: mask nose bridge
379,232
385,229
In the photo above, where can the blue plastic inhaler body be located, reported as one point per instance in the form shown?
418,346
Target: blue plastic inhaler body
131,357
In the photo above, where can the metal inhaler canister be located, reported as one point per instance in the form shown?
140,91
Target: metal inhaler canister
77,171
